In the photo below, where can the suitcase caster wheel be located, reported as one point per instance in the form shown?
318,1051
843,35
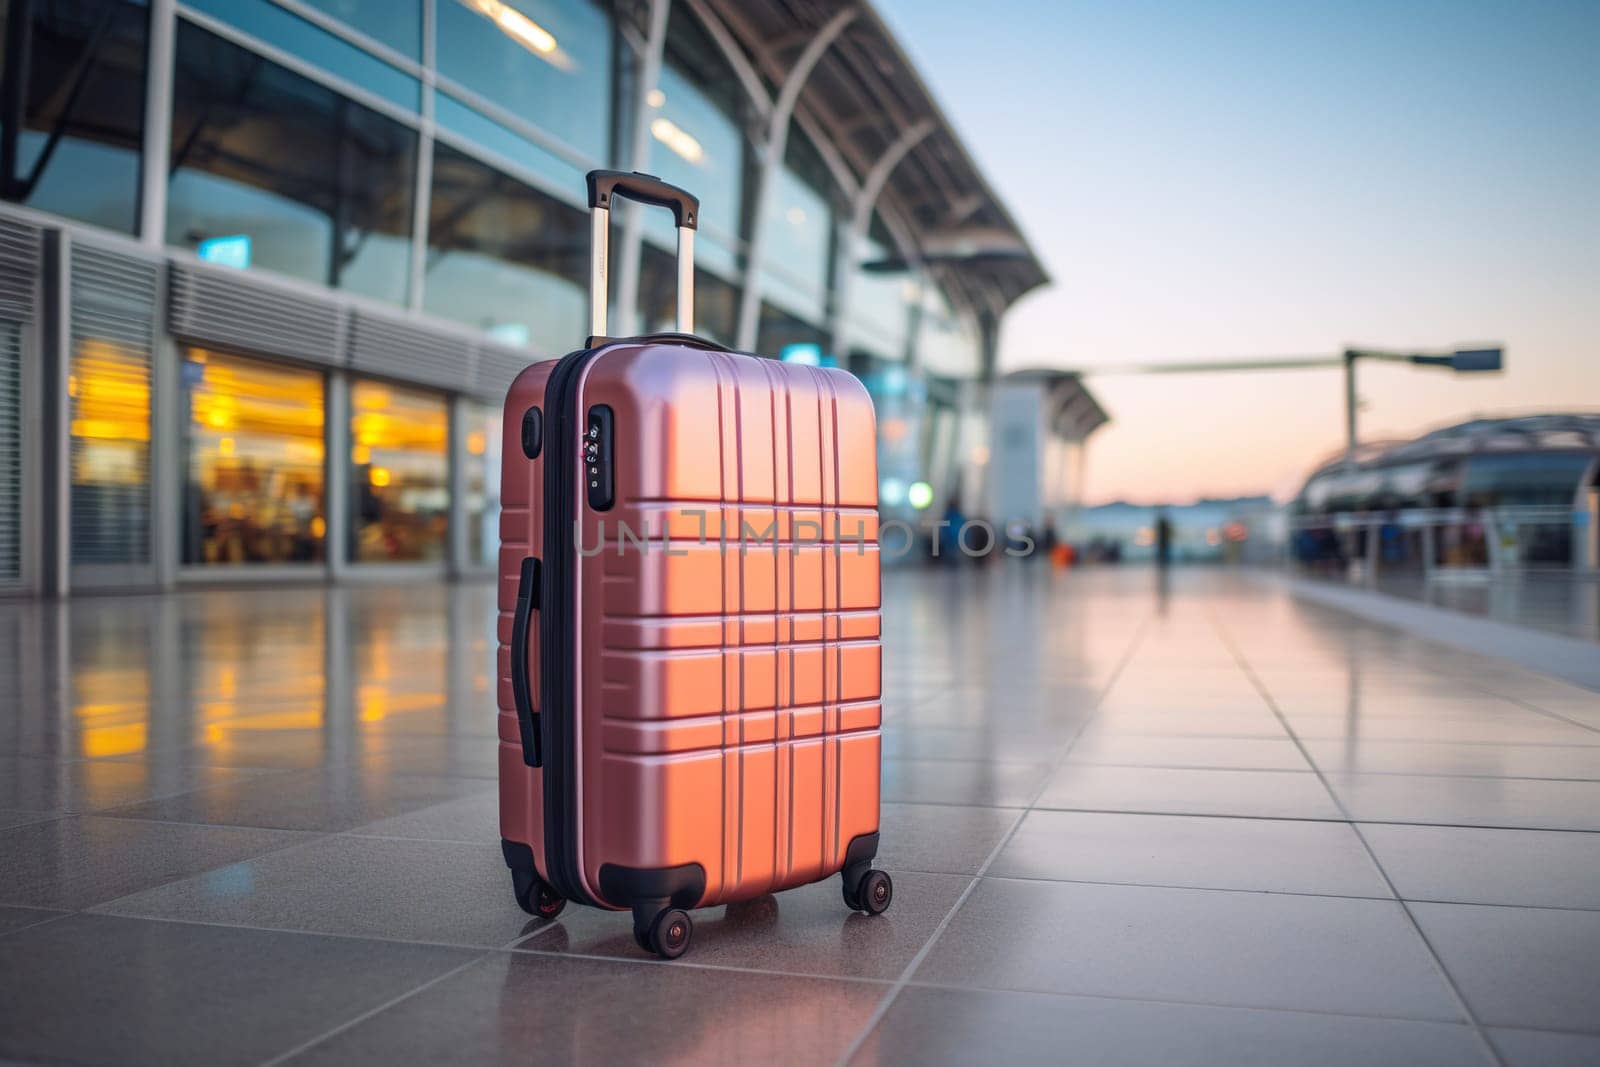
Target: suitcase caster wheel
534,896
873,894
670,933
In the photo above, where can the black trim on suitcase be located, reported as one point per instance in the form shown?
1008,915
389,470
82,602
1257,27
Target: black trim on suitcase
527,718
558,619
681,886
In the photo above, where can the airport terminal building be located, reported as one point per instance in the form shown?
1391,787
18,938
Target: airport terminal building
268,266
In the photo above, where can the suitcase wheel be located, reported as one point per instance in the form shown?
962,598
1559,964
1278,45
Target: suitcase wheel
668,934
873,893
534,895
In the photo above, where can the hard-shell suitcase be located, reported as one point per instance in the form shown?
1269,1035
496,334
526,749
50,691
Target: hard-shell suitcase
689,662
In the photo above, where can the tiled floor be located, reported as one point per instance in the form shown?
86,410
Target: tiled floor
1129,823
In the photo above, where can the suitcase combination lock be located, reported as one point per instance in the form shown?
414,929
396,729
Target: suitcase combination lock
597,460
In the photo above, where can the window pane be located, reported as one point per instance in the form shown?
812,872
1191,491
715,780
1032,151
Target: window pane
483,131
75,151
505,258
400,476
315,45
254,491
321,186
397,23
798,233
546,60
695,143
482,482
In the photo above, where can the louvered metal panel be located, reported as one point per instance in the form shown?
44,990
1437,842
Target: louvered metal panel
19,269
10,453
235,311
496,367
113,300
410,353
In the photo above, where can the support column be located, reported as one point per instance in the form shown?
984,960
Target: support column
625,308
157,149
860,219
422,188
456,533
55,350
772,151
336,506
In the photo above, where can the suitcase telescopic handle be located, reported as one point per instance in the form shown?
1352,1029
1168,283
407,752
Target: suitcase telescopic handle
604,187
521,684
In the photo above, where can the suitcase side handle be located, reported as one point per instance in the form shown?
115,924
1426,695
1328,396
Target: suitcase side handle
604,187
527,718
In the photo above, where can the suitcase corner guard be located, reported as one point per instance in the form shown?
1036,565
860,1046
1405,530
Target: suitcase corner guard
682,885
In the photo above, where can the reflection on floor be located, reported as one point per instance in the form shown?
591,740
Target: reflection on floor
1556,601
1199,822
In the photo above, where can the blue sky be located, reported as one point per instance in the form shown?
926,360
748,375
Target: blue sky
1239,178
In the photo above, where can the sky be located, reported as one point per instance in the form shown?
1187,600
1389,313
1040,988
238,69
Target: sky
1237,178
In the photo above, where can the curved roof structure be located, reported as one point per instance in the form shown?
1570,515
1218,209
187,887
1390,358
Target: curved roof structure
862,95
1525,433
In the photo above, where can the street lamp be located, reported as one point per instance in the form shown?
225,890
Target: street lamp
1460,360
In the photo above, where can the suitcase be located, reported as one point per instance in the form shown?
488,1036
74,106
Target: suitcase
689,660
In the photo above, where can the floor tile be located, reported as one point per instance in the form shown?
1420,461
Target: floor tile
1221,753
82,860
1202,852
553,1009
9,819
942,838
1537,868
945,1026
101,989
474,818
333,799
1469,801
999,785
13,919
1543,1048
1267,794
43,785
1520,967
434,891
1578,762
1331,954
807,930
1513,729
1260,723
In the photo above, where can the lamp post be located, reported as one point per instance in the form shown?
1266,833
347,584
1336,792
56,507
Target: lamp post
1460,360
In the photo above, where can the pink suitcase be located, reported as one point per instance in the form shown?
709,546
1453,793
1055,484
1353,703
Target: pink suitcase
689,666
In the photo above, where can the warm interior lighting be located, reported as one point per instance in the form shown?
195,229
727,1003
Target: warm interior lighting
522,29
477,443
655,98
361,455
379,476
676,138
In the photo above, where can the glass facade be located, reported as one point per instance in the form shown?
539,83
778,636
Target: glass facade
296,127
399,473
307,182
503,257
72,108
254,440
545,61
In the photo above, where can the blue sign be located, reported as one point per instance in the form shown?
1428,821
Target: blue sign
806,354
231,251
